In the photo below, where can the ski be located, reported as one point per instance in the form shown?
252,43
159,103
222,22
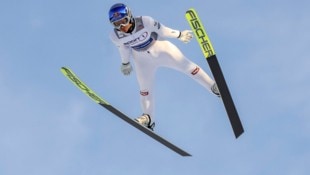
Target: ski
90,93
209,53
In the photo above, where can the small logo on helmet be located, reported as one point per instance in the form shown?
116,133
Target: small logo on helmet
116,14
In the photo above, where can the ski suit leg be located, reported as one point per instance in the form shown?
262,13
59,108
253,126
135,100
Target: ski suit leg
145,72
170,56
163,53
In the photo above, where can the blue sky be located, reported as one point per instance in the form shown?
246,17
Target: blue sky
47,126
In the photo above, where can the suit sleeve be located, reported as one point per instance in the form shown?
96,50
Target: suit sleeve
162,30
125,51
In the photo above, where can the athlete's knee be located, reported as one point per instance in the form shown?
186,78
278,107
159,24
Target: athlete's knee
195,70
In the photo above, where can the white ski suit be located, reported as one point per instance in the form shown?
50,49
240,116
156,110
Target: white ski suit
147,46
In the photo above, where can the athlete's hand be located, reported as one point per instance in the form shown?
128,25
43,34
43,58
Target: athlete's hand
126,68
186,36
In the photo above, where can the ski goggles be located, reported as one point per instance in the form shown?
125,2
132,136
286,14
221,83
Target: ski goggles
122,22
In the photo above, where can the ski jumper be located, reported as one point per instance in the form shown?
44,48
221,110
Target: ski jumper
147,46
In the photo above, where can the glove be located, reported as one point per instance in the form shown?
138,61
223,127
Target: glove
186,36
126,68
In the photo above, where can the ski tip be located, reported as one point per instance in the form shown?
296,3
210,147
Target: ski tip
64,68
190,9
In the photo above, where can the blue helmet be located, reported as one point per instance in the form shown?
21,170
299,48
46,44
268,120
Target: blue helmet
119,11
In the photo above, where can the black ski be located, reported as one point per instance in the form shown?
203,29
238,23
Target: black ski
90,93
209,53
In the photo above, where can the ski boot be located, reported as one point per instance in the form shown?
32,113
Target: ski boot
215,90
145,120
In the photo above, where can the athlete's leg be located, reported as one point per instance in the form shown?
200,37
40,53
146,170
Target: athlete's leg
145,72
172,57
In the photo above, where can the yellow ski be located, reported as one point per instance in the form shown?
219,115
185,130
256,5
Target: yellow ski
209,53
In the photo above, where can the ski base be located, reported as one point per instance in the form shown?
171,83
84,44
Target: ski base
226,96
